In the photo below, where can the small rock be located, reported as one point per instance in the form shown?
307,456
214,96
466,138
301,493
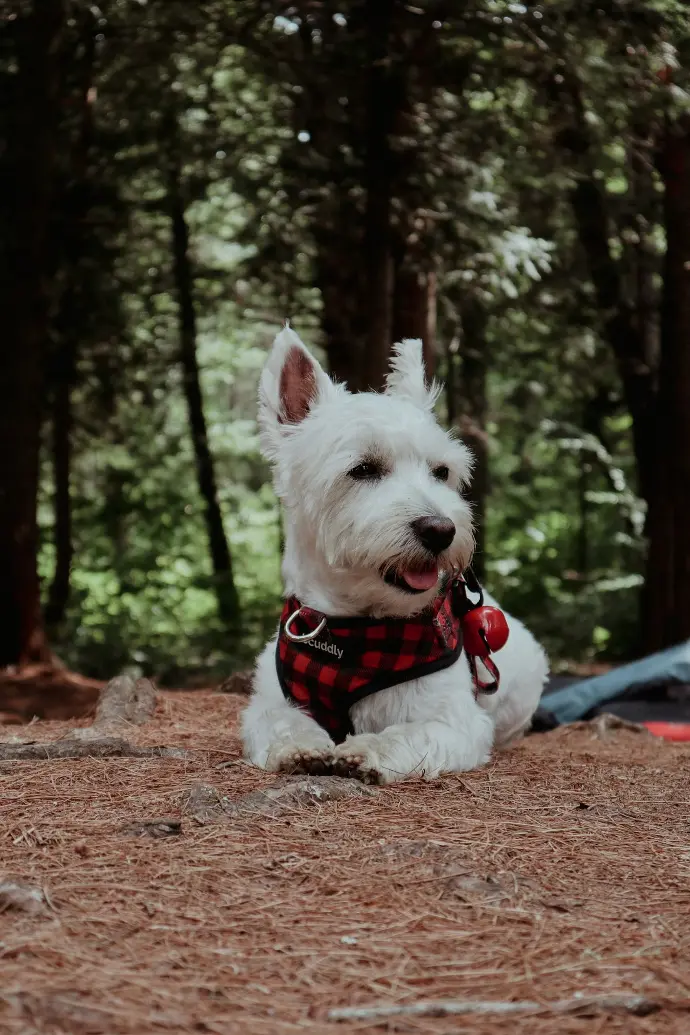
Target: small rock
23,897
469,887
204,804
155,828
64,1012
237,683
402,850
125,701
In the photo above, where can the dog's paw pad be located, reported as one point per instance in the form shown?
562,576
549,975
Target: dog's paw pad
347,767
355,767
306,763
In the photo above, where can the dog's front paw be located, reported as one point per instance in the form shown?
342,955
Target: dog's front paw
357,759
354,766
298,761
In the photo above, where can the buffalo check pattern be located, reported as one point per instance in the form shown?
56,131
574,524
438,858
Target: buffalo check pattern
352,658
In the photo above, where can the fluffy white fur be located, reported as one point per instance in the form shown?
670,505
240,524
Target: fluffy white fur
342,535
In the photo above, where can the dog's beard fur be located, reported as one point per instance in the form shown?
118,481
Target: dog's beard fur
344,535
362,541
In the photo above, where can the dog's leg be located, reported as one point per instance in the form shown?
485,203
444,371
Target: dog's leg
424,748
524,668
278,736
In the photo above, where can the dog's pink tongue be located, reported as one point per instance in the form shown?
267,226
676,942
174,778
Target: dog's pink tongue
421,579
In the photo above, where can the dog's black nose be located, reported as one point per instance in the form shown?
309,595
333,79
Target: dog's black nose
435,533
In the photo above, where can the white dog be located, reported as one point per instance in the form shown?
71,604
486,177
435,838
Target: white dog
375,527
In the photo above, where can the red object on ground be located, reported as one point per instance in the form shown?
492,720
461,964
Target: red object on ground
482,628
669,730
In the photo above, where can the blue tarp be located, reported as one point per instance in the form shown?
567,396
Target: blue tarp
662,669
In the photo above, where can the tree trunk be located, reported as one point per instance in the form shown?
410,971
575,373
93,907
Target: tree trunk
473,415
71,233
415,312
339,279
666,601
344,347
226,592
621,327
58,595
25,303
383,102
632,343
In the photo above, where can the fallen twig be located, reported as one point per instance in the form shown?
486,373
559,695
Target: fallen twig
607,722
284,797
156,828
624,1002
104,747
207,805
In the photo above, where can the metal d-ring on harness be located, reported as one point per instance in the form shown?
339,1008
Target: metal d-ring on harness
304,637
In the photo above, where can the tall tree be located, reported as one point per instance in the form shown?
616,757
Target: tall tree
666,614
648,333
29,166
183,276
383,100
414,310
362,165
474,371
622,323
74,197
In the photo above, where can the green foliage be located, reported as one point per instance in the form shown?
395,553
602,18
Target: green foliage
269,106
142,585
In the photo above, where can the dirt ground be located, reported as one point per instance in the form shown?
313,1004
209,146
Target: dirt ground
562,869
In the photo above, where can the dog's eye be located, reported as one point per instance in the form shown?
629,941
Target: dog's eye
368,471
441,473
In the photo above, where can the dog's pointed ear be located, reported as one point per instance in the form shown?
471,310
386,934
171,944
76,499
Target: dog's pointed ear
407,379
292,381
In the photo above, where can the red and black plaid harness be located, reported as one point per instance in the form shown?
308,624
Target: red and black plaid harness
351,658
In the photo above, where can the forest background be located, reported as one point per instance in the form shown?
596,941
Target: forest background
508,181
